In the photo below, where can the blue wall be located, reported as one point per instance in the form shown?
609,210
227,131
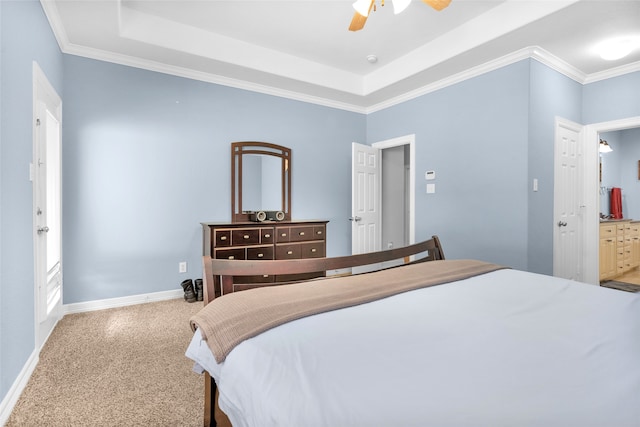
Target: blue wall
146,158
551,95
26,36
474,136
611,99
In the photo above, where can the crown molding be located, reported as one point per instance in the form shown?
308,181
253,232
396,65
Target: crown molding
557,64
454,79
148,65
533,52
613,72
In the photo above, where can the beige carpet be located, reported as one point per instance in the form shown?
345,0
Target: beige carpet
117,367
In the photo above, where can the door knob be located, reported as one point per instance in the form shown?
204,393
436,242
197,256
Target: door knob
355,218
562,224
44,229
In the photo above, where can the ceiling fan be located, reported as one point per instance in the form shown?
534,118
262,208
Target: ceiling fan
363,8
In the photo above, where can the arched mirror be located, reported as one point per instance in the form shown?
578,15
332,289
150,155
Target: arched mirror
260,180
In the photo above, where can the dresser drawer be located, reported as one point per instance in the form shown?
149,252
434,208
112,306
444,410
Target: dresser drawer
288,251
318,232
312,250
301,234
267,235
283,235
222,238
260,252
230,253
245,236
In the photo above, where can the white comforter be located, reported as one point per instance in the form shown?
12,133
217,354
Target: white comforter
507,348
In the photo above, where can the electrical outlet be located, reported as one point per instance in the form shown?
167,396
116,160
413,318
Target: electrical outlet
182,267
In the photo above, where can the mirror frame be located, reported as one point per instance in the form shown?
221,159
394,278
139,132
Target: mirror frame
238,149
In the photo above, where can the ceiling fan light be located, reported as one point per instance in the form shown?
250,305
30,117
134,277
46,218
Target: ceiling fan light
400,5
362,7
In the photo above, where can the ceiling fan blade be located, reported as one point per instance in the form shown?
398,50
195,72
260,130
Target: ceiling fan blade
437,4
358,21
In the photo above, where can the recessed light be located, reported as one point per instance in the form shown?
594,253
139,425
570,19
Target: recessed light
372,59
617,48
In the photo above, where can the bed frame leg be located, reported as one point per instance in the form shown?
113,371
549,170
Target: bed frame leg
209,401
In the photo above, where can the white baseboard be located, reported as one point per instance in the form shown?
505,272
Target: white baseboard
12,396
81,307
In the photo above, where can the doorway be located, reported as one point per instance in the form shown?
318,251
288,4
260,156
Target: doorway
592,194
47,205
395,205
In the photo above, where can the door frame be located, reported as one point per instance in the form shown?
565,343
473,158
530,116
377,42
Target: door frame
592,191
409,140
43,91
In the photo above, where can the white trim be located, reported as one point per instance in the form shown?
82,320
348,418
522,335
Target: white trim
173,70
411,141
12,396
18,386
362,107
43,94
557,64
81,307
614,72
591,193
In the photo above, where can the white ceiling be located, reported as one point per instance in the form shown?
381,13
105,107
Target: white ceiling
302,49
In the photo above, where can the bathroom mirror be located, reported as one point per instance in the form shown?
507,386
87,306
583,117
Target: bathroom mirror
260,179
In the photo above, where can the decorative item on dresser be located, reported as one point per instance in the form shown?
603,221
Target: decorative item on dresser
265,241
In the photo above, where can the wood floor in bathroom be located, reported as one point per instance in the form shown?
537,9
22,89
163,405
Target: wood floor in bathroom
632,277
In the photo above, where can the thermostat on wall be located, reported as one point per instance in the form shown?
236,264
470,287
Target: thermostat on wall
429,175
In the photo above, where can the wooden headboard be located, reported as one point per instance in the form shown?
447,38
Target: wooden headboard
219,273
218,277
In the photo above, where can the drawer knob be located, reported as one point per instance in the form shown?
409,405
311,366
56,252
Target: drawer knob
289,252
246,236
267,235
319,232
302,233
223,238
265,275
284,234
232,257
260,255
313,249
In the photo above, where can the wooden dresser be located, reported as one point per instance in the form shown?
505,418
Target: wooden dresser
265,240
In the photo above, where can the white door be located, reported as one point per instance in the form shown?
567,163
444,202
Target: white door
47,218
568,203
365,195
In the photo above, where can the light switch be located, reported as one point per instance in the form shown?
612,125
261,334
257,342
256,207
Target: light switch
431,188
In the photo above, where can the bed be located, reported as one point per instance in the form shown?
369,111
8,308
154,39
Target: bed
474,345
